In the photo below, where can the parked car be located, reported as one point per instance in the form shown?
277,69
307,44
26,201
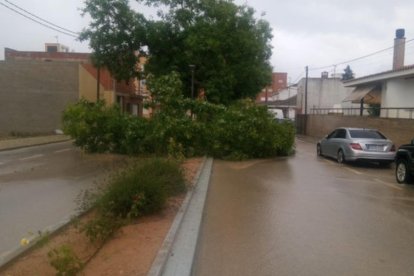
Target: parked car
404,159
357,144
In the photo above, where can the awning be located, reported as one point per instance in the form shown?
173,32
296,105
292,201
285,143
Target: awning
370,94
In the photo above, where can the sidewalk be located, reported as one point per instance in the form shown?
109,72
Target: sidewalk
178,252
15,143
308,139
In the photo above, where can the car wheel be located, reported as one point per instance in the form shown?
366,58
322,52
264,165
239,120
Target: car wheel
401,172
340,157
319,150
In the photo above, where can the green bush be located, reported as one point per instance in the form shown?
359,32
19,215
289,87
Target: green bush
102,227
245,130
95,127
142,188
64,260
182,131
180,127
136,139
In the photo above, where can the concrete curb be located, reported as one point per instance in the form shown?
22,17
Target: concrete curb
32,141
11,255
176,254
13,144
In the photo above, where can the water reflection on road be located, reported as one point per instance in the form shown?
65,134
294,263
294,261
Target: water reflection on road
305,215
39,187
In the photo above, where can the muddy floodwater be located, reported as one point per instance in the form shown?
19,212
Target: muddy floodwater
305,215
40,188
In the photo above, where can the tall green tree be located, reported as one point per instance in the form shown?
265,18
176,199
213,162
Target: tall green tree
229,47
348,74
117,36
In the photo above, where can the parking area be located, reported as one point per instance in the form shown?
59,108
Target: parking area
305,215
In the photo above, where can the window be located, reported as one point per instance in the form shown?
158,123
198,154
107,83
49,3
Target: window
341,134
128,108
338,133
365,133
120,100
332,134
52,49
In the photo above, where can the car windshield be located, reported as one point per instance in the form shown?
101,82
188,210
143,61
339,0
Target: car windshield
370,134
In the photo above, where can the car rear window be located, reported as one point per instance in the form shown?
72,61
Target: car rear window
370,134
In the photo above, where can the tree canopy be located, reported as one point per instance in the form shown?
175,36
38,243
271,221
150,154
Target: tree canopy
229,47
348,74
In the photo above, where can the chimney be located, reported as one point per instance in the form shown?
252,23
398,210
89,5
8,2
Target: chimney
399,49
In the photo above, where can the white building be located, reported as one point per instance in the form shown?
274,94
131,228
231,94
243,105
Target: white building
322,93
393,90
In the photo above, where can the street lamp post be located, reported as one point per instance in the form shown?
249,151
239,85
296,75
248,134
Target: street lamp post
192,67
98,83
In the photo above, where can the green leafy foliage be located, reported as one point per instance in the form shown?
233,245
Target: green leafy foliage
141,188
101,228
348,74
97,128
180,127
116,34
249,131
229,47
64,260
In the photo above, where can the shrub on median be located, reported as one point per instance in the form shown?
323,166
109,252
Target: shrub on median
142,188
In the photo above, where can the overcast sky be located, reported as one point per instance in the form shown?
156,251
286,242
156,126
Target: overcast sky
314,33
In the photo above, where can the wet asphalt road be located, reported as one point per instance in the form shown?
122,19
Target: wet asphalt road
39,187
305,215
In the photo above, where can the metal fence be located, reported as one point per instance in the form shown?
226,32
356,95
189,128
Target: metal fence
383,112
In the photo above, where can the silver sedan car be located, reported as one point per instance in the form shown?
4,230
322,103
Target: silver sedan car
357,144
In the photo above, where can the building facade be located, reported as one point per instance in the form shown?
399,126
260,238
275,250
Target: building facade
35,87
322,92
279,82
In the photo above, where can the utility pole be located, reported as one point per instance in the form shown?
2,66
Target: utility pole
98,83
306,99
192,67
306,90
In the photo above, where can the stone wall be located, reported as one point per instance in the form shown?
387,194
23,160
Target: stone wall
400,131
33,95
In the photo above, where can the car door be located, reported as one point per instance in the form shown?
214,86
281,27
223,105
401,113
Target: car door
338,141
328,144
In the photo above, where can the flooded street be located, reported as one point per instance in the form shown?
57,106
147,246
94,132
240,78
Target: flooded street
305,215
39,188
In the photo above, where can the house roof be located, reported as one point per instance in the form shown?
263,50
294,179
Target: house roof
370,94
406,71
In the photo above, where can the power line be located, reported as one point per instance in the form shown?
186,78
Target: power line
297,79
44,20
38,22
358,58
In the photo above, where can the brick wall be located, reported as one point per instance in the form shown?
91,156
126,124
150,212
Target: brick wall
33,94
400,131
